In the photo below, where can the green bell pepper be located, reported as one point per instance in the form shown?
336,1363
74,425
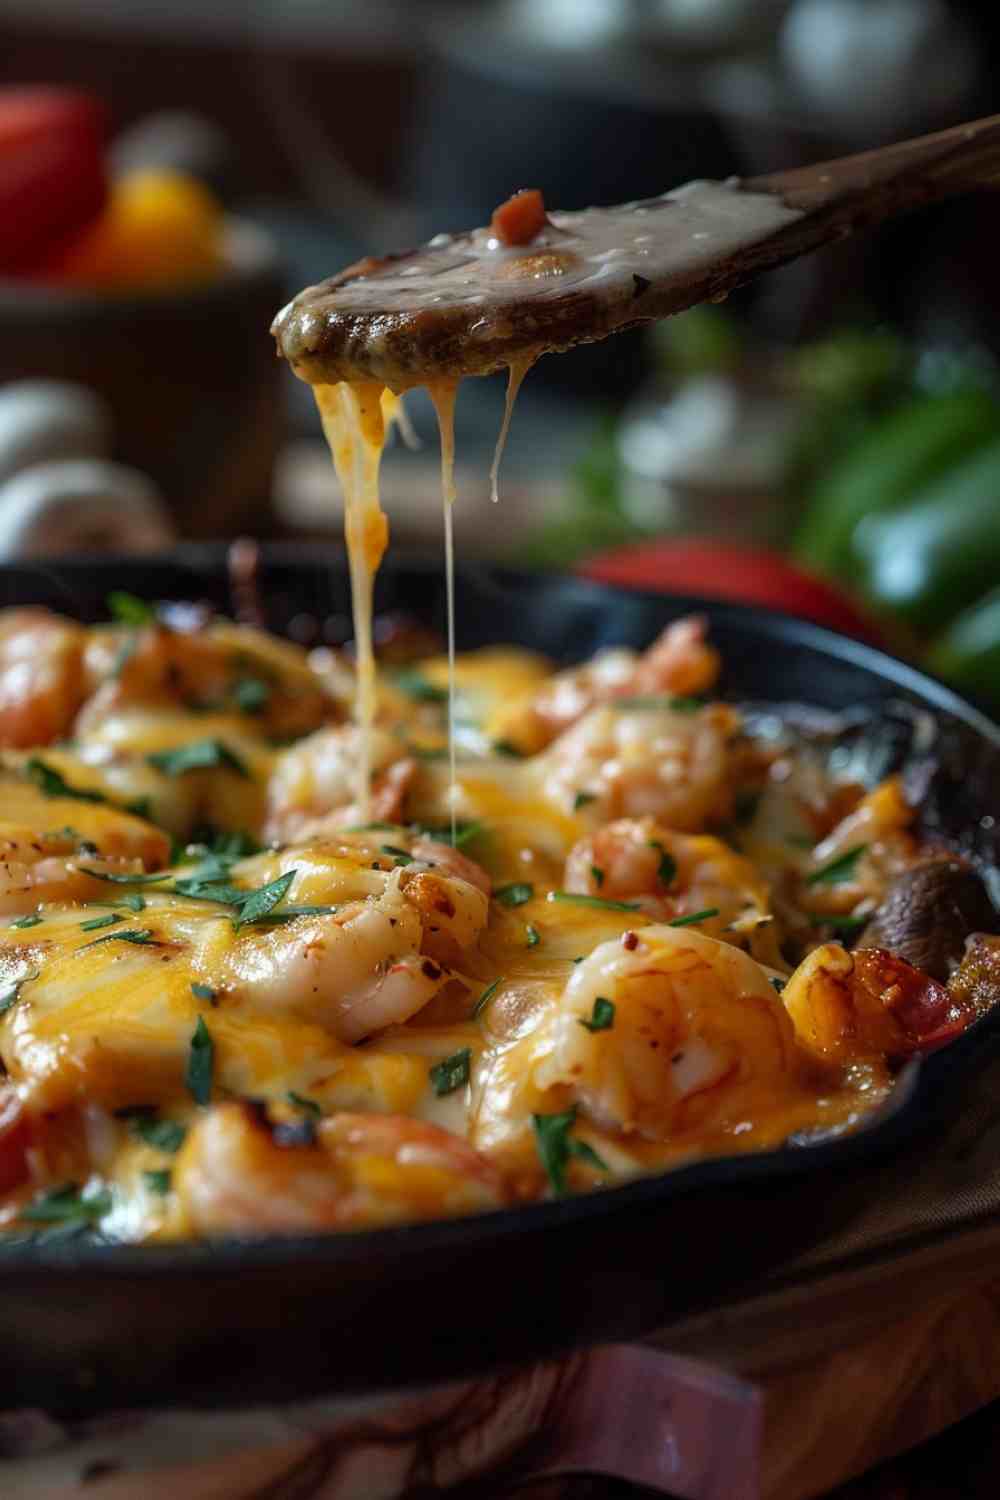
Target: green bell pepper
930,558
881,470
968,654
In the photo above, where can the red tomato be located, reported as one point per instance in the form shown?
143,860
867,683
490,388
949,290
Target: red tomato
52,178
746,575
15,1140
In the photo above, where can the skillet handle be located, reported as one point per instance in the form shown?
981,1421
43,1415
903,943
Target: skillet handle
677,1426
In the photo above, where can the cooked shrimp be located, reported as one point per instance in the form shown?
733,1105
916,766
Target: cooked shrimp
696,1040
871,1001
680,662
317,778
674,766
370,963
41,686
671,874
235,1176
222,667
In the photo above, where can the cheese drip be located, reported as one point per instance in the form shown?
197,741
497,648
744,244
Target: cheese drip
518,369
443,395
354,423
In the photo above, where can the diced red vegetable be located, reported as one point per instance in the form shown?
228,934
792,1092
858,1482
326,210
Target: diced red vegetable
15,1138
749,575
517,221
926,1012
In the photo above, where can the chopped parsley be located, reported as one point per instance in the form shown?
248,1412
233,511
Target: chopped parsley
129,609
602,1017
32,920
199,755
261,902
661,701
416,686
532,936
451,1073
779,984
508,749
515,894
126,879
11,993
485,999
308,1106
666,872
401,856
67,1205
162,1135
141,936
53,784
108,920
203,991
555,1148
158,1181
597,875
201,1057
139,807
133,901
694,917
251,695
600,902
838,870
582,799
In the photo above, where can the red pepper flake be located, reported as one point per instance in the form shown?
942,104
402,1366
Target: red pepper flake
520,219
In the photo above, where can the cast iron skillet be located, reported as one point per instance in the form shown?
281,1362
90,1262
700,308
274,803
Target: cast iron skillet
89,1327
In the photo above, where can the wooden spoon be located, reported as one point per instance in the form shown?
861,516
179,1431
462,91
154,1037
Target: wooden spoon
469,304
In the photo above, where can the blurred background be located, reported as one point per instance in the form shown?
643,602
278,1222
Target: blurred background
172,170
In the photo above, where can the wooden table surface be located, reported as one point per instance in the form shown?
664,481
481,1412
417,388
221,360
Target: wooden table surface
961,1464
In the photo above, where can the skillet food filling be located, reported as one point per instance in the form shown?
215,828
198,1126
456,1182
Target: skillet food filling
246,991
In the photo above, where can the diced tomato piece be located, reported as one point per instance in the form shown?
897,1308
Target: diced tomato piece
50,190
39,113
926,1012
517,221
15,1138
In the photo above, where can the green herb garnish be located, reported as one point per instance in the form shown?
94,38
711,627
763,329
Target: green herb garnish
582,799
555,1148
401,856
515,894
597,875
779,984
53,784
203,991
838,870
600,902
451,1073
416,686
252,695
108,920
602,1017
162,1135
666,872
139,807
532,936
198,1075
141,936
260,903
32,920
695,916
68,1205
661,701
125,879
308,1106
508,749
11,993
158,1181
199,755
129,609
133,901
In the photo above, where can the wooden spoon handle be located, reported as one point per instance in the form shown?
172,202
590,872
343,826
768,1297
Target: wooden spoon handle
864,189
